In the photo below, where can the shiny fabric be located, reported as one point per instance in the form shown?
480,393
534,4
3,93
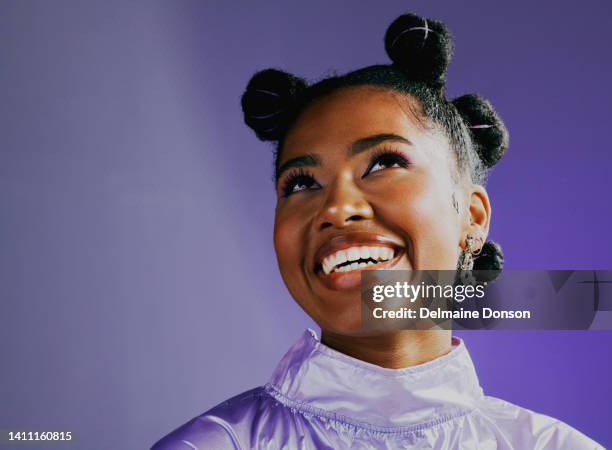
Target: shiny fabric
318,398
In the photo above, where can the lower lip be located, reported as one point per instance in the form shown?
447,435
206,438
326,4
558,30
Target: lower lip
352,279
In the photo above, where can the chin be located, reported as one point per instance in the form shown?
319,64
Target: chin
345,322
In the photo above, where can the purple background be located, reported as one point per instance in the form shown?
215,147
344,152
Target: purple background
138,280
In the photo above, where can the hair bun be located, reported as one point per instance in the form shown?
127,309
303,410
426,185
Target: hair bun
491,257
421,47
268,100
488,131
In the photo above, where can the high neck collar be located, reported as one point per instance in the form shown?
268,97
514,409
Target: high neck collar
316,377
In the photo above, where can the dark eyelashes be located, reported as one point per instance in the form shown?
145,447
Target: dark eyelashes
387,156
295,178
384,156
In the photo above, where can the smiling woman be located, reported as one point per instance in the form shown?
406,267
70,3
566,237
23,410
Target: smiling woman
375,169
392,194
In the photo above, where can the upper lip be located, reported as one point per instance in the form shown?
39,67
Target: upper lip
352,239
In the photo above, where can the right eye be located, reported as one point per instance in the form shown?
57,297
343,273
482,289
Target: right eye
299,181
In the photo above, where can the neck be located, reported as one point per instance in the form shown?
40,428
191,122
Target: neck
392,350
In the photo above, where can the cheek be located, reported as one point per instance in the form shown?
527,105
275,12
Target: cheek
288,228
421,209
290,232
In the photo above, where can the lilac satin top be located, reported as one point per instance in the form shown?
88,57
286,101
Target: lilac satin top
318,398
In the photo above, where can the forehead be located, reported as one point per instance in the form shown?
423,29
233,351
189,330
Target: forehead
338,119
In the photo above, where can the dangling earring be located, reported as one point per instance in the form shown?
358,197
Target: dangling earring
466,260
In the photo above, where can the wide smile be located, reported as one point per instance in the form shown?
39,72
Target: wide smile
340,262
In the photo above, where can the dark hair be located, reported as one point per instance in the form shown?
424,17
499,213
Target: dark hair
420,50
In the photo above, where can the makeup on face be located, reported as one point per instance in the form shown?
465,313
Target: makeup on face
361,186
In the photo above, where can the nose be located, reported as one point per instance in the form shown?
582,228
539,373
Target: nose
344,204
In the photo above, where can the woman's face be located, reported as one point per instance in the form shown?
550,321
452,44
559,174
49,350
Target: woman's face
362,185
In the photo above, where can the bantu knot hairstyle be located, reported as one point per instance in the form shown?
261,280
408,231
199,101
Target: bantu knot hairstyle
491,257
421,47
488,132
420,50
490,262
268,101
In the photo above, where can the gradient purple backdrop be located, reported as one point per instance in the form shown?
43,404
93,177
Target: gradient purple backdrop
138,281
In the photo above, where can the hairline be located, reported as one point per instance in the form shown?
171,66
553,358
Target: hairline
414,110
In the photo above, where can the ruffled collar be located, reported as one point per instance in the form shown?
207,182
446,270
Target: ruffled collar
318,379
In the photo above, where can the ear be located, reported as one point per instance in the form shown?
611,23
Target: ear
478,213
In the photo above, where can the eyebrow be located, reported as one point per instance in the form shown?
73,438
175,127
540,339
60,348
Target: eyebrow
360,145
366,143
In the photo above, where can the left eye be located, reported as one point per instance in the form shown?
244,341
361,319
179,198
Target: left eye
386,161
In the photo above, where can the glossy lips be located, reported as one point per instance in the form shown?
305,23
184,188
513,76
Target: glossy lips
339,262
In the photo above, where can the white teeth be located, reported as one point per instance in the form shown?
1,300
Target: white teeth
364,252
375,253
326,266
353,255
387,253
341,257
